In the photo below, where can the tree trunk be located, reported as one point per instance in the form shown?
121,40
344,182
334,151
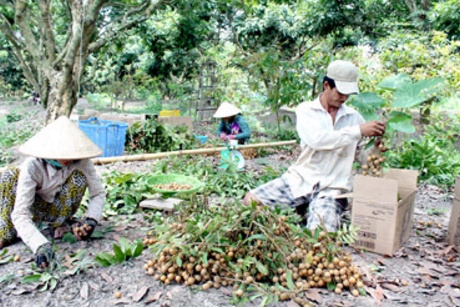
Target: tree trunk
53,57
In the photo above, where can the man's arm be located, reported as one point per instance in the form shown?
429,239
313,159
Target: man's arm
315,129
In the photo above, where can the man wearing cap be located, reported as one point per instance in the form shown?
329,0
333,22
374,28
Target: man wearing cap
49,187
330,134
232,126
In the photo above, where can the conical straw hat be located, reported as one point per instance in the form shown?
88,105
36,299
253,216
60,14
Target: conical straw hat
226,110
62,140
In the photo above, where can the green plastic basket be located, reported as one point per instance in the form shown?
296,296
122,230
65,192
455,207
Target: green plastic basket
174,178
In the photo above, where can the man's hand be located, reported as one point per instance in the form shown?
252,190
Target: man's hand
373,128
44,256
378,143
223,136
83,230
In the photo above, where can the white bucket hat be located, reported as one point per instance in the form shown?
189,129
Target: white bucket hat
226,110
62,140
345,76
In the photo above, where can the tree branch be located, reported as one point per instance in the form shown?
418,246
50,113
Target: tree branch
115,30
47,30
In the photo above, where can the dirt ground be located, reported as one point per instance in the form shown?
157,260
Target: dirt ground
424,271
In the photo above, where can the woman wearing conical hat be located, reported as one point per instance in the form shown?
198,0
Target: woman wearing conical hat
232,126
49,187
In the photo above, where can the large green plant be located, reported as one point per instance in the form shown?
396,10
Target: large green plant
400,96
435,153
151,136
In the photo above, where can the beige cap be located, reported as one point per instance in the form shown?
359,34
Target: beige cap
226,110
345,76
62,140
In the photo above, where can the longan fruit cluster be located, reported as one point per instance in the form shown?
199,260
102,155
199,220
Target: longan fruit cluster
148,241
78,230
373,166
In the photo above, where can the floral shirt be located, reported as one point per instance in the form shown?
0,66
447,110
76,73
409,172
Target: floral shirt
39,178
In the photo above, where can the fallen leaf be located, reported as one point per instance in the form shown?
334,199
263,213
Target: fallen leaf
448,249
376,293
122,301
313,295
226,291
140,294
106,277
425,271
390,286
84,291
93,285
155,297
20,291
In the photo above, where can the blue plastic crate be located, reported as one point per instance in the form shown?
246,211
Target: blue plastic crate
108,135
201,138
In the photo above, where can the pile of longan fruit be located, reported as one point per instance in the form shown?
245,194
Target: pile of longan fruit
309,268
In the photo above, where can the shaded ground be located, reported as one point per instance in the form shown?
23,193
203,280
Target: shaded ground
425,271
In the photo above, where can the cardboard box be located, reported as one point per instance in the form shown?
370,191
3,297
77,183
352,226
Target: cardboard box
383,210
453,233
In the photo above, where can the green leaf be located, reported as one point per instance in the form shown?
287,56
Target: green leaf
367,100
290,284
395,82
330,286
410,95
137,251
124,244
178,261
119,255
70,238
53,283
31,278
399,121
257,237
3,252
8,259
105,259
261,268
204,258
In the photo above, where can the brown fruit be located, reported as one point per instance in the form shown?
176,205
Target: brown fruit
17,258
355,292
118,294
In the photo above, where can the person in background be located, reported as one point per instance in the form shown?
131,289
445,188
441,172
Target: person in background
331,134
232,126
49,187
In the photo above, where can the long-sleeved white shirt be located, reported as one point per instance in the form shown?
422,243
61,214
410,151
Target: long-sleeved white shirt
328,149
39,178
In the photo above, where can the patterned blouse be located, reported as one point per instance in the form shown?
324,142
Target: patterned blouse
39,178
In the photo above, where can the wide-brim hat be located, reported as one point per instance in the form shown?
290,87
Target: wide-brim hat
345,76
226,110
61,140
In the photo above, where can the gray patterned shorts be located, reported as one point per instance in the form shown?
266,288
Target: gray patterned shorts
323,209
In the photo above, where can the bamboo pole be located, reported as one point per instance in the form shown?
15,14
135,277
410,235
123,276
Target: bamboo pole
201,151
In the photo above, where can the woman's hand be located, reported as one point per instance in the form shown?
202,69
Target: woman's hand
83,230
44,256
